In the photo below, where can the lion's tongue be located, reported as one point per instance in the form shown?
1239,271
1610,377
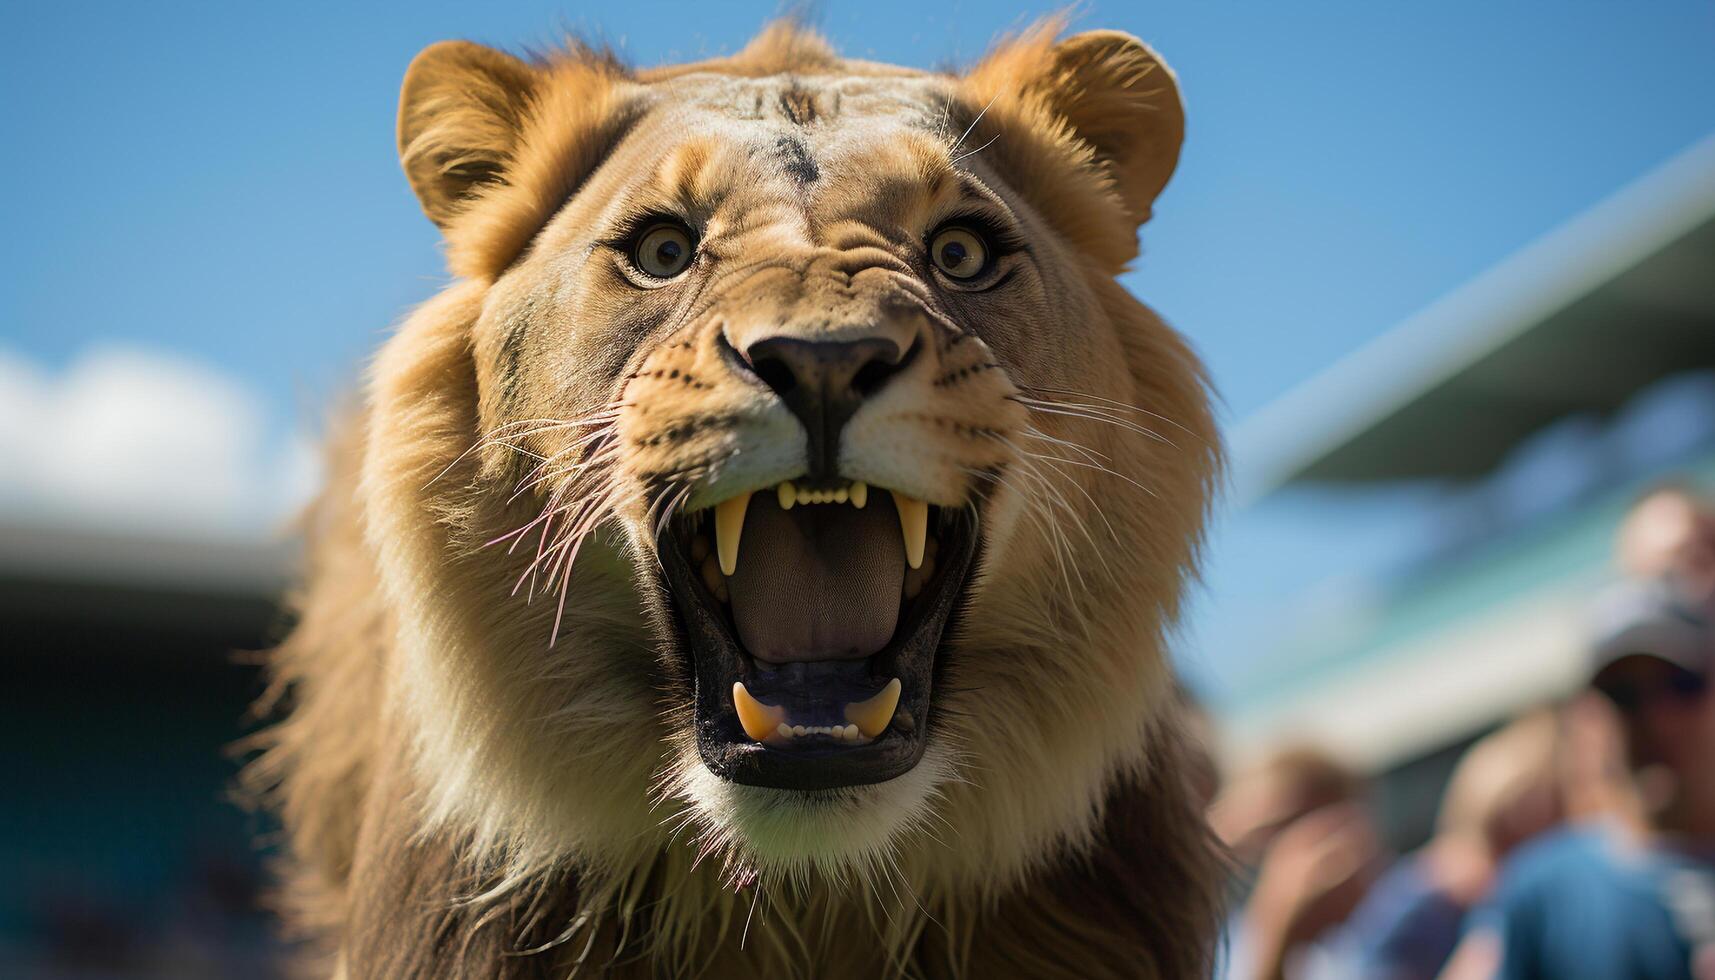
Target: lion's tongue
817,582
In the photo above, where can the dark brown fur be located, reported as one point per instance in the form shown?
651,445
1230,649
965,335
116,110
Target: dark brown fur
1093,916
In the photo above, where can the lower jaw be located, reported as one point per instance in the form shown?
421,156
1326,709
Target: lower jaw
819,762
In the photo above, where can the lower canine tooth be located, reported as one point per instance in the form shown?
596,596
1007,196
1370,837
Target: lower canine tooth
729,525
757,719
871,716
914,522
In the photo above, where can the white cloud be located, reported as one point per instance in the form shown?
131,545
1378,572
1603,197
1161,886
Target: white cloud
145,440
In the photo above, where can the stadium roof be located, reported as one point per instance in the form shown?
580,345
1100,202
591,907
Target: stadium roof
1460,645
1583,318
181,582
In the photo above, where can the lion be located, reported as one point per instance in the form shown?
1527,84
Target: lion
756,562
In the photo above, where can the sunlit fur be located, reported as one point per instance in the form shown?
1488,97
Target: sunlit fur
483,760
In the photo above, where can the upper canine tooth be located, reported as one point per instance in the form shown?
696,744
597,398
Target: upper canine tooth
872,715
757,719
729,525
914,522
860,494
787,493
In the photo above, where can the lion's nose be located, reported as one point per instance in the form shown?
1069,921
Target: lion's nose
824,382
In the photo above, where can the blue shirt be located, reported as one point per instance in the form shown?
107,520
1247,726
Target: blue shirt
1583,902
1405,928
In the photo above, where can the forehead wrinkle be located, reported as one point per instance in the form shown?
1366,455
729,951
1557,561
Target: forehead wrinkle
969,185
760,216
746,200
946,181
930,155
888,181
688,174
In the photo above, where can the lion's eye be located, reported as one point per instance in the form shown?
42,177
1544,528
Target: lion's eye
959,252
664,250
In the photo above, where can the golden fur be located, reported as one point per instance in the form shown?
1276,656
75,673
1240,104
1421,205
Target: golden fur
483,765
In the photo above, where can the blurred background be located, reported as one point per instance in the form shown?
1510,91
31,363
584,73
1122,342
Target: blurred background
1452,267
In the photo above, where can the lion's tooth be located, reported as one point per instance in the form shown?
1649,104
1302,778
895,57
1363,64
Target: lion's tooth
871,716
784,731
757,719
913,584
729,525
914,522
841,495
859,494
787,494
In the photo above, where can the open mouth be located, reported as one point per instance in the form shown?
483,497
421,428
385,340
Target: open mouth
813,615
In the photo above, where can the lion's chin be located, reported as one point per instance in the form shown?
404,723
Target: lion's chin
830,833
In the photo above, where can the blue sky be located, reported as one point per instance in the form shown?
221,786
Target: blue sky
219,180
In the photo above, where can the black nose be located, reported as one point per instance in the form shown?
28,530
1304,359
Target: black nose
824,382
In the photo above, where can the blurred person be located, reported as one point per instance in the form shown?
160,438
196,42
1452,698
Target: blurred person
1315,873
1632,895
1261,801
1296,822
1595,778
1505,790
1669,534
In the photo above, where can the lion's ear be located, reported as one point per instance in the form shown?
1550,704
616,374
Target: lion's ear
460,111
1122,100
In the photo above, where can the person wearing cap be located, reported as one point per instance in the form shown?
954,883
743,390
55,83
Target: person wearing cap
1631,895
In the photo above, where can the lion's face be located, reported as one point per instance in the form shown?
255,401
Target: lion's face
828,389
